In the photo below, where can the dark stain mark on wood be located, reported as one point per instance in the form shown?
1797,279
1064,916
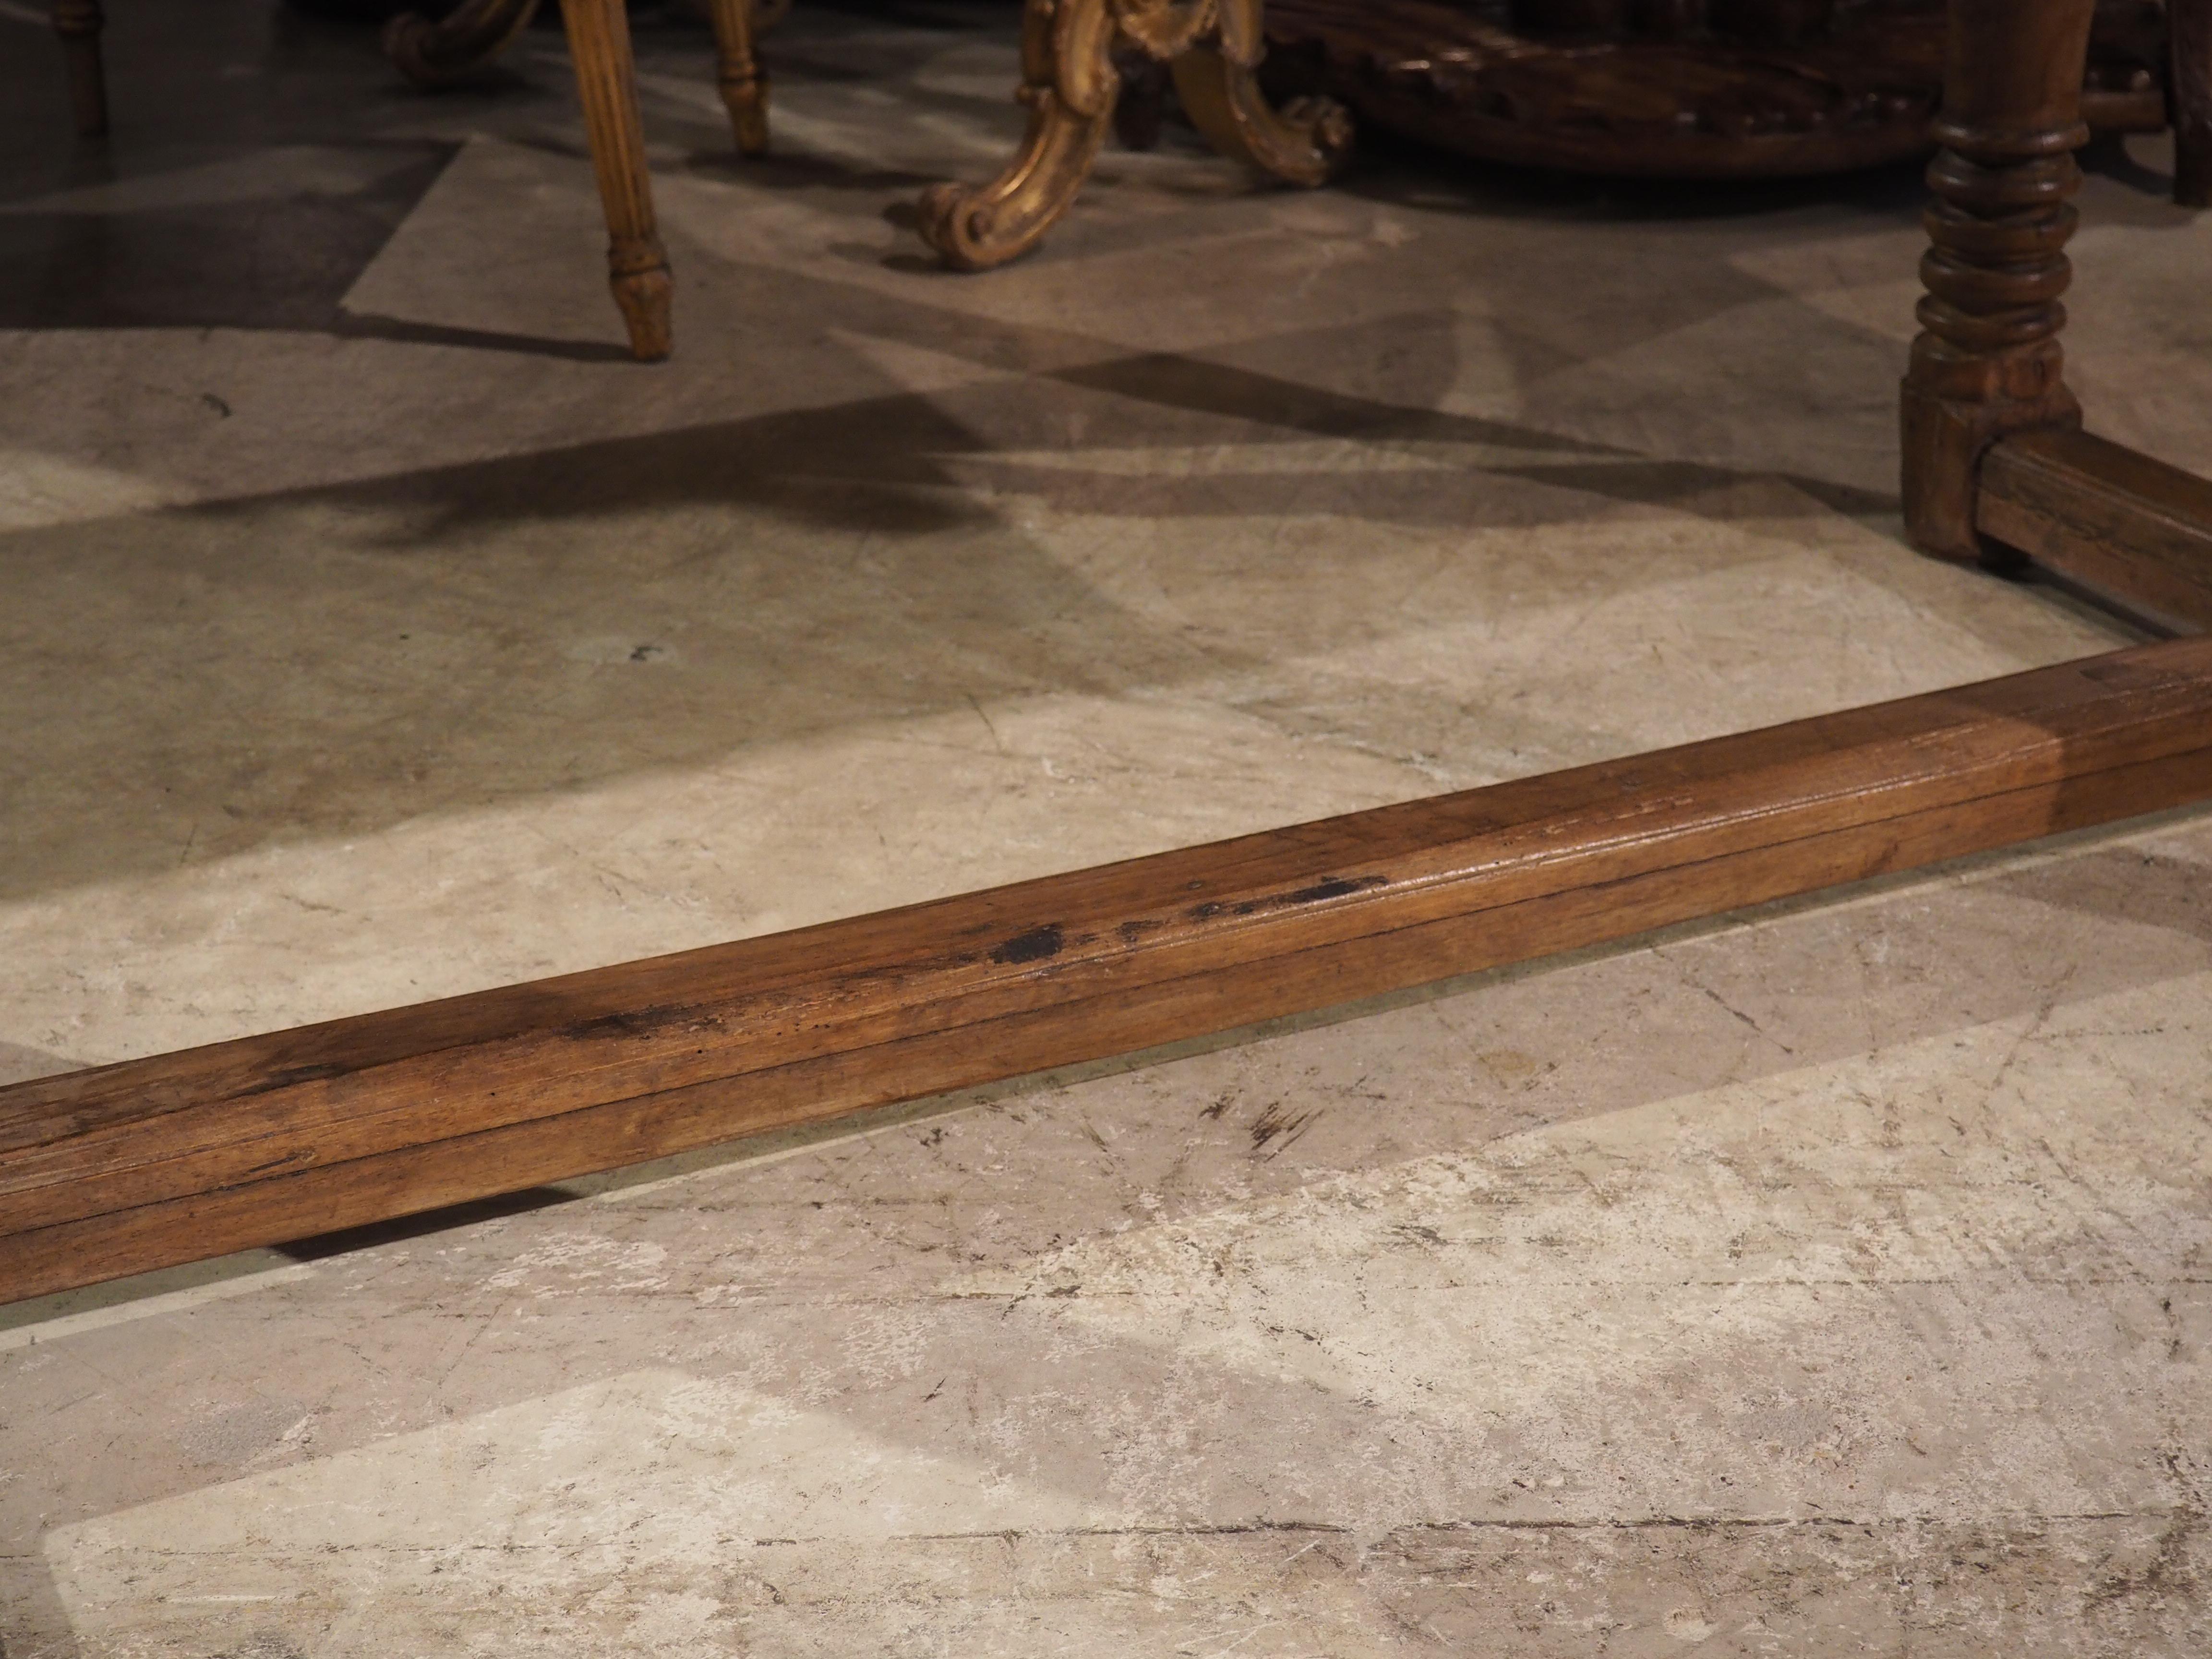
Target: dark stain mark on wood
288,1076
1038,945
1335,887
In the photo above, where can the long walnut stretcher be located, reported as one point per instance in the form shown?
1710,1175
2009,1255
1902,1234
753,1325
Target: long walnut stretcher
122,1168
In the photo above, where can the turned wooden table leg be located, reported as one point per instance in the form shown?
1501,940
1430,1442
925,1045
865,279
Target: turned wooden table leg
2189,99
457,45
606,84
78,23
738,74
1988,361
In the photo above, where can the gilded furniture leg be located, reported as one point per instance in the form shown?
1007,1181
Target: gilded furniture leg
1988,361
2189,99
637,265
1070,85
78,23
1068,82
457,45
743,85
1218,84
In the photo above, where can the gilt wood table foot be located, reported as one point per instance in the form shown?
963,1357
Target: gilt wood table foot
1070,85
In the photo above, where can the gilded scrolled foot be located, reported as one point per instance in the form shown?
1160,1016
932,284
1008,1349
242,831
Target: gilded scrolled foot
461,44
1069,84
975,227
1305,142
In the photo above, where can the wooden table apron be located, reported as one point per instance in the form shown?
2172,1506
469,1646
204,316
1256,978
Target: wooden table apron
120,1168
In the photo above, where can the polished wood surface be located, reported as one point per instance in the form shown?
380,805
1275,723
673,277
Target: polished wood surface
2118,523
122,1168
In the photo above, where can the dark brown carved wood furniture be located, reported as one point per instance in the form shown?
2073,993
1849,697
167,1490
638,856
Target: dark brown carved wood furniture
1714,88
122,1168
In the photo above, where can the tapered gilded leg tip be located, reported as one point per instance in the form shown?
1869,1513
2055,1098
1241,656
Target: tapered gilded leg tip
647,299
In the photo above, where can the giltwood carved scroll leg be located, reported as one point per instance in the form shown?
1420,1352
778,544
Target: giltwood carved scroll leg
1218,83
1069,83
457,46
2189,99
1988,361
78,22
742,83
637,265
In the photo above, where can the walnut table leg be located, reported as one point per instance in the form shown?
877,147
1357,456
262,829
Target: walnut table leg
1988,361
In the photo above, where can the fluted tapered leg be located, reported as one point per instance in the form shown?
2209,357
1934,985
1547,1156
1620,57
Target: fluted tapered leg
606,85
737,74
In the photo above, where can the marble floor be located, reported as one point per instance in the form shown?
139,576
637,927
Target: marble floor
1831,1279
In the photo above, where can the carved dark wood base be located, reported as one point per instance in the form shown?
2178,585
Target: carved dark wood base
1071,86
1708,88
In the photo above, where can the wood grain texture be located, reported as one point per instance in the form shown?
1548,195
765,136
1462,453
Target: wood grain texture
122,1168
2118,522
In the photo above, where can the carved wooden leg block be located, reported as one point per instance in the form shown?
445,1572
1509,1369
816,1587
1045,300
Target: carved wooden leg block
79,22
2119,523
124,1168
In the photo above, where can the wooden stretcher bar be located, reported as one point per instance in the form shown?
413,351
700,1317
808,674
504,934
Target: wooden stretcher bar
2126,527
124,1168
127,1167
